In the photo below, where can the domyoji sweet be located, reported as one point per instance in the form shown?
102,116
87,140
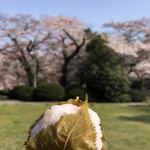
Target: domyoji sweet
70,125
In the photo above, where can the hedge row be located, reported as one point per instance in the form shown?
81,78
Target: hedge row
49,92
55,92
45,92
4,92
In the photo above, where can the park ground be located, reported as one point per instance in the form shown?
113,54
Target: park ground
127,126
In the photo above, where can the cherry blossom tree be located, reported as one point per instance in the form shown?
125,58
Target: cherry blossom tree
11,73
59,42
19,36
70,36
131,39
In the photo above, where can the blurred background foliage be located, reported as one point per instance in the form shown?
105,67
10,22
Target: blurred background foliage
68,59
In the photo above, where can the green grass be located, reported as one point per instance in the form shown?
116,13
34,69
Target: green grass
126,127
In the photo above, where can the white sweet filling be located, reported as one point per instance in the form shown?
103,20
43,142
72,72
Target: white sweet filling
51,116
96,123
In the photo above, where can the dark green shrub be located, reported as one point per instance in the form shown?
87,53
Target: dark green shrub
25,93
4,92
122,98
12,94
72,85
103,71
137,95
49,92
78,92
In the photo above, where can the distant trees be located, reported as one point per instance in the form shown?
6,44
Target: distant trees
60,43
70,36
7,75
56,40
103,72
19,36
131,39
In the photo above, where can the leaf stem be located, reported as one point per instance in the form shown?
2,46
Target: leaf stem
71,132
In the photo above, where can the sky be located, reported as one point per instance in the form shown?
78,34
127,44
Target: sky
92,12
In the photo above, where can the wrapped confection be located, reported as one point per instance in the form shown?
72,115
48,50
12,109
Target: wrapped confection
69,125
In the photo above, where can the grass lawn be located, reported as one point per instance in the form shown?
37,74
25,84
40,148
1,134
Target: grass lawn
126,127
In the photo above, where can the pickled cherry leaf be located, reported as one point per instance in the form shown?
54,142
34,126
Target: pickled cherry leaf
71,132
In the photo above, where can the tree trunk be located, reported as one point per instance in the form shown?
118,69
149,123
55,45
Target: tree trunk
67,59
63,80
29,77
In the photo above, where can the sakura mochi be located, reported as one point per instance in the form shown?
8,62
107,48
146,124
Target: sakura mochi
70,125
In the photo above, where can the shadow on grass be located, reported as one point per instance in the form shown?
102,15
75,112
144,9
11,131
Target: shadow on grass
140,118
145,108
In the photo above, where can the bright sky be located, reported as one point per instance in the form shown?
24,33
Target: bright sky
93,12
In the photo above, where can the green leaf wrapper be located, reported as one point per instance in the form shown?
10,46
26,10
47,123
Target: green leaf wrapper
71,132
